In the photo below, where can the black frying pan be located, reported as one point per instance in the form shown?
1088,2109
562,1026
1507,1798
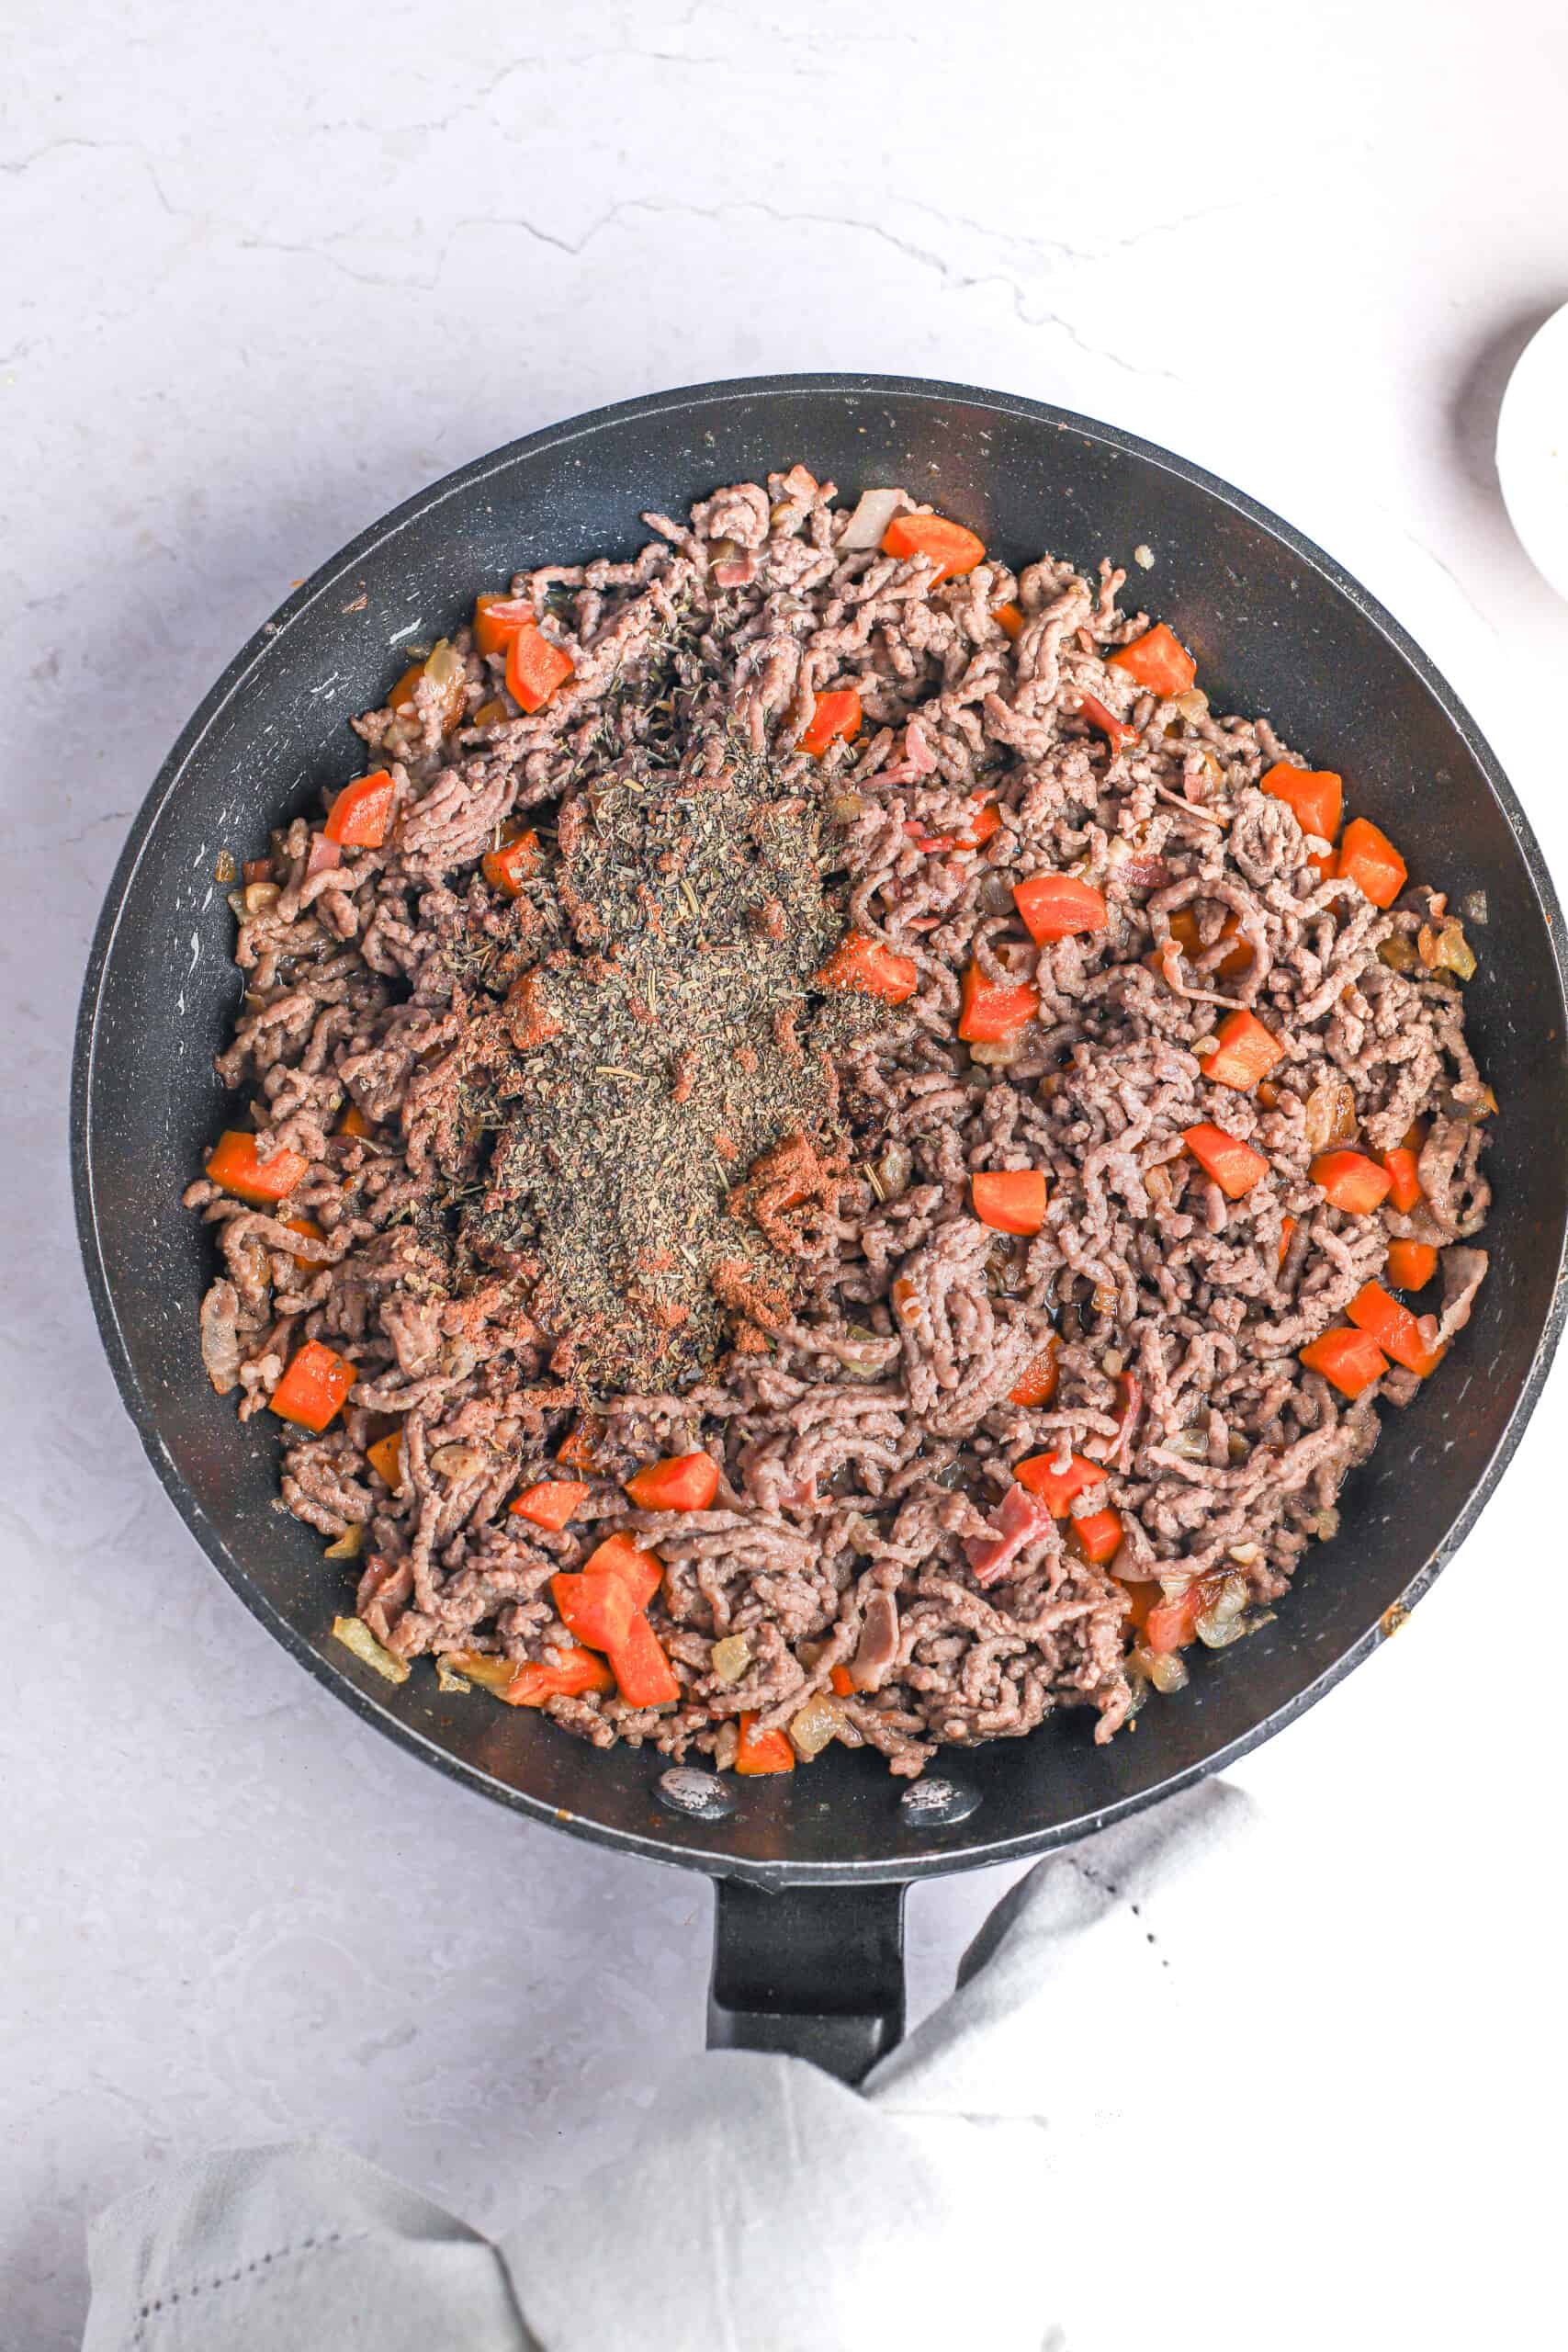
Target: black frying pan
811,1870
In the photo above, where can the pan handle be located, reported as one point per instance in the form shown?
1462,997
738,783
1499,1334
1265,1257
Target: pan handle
815,1972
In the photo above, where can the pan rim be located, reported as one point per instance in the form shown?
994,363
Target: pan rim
966,1853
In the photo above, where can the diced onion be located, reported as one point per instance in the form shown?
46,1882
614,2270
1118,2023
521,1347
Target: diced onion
349,1544
1189,1444
1225,1620
845,807
458,1461
356,1636
1194,704
446,1680
894,1169
1164,1670
870,518
726,1745
1000,1055
731,1657
817,1724
1330,1113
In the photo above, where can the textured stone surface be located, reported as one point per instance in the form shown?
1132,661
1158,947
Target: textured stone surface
266,274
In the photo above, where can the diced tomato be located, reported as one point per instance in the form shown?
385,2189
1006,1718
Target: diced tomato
534,668
518,858
1350,1359
949,546
234,1164
684,1482
1244,1052
642,1572
314,1387
1010,1200
595,1609
1316,795
1395,1329
1157,660
1037,1384
1056,1488
579,1450
1097,1537
643,1672
1411,1264
1351,1182
759,1752
1116,731
579,1672
991,1012
386,1458
1234,1165
552,1502
497,620
1405,1184
1055,906
1009,620
836,715
359,815
1368,859
866,967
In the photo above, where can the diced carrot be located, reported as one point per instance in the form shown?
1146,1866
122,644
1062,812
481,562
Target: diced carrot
1396,1330
1037,1384
1351,1182
642,1671
313,1232
767,1751
1157,660
1010,1200
1323,859
1055,906
552,1502
595,1609
1244,1052
1009,620
579,1672
622,1555
355,1123
1234,1165
984,823
839,1678
1368,859
1184,930
1350,1359
579,1450
518,857
314,1387
1116,731
949,546
1287,1226
868,969
835,714
232,1162
1404,1184
497,620
1411,1264
991,1012
1316,795
1057,1487
359,815
534,668
386,1457
681,1482
529,1019
1172,1625
1097,1537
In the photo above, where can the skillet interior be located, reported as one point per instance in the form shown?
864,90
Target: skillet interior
1276,628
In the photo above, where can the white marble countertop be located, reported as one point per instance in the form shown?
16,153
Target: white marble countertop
270,272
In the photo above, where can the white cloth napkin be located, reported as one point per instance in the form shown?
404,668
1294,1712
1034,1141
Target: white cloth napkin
974,2193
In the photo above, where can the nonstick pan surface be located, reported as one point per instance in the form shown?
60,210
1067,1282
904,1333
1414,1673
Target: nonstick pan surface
1276,627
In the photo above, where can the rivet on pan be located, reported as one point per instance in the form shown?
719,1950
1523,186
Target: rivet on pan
700,1796
933,1804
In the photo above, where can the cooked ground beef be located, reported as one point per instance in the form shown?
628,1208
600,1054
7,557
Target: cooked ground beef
841,1334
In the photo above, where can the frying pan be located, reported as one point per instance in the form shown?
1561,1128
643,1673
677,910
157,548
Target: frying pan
811,1870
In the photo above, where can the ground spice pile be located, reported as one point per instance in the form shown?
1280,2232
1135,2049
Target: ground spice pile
667,1147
